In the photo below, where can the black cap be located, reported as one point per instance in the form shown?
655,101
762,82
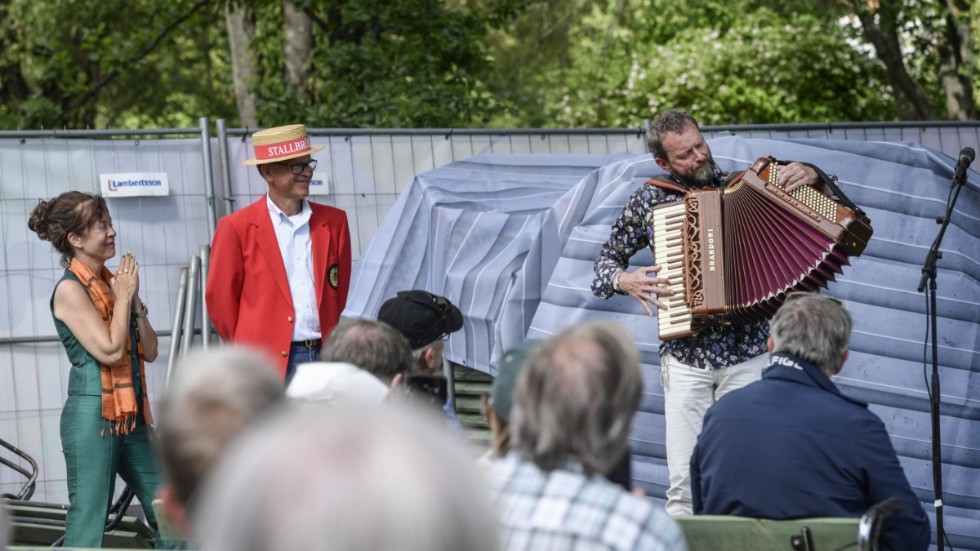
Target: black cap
421,316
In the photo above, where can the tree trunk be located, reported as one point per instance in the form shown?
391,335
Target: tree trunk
910,101
956,62
240,21
299,51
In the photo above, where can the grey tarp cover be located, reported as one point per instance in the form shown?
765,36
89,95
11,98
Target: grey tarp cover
511,239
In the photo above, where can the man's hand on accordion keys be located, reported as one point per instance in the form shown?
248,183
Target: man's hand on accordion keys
645,289
794,175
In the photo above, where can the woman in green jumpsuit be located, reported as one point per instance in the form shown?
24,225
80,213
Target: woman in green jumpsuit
102,323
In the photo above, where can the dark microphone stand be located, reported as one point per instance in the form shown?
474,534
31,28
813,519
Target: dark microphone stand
929,273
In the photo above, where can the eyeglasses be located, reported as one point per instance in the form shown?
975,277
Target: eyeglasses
299,168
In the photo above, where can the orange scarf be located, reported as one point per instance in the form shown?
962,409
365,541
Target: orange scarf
119,406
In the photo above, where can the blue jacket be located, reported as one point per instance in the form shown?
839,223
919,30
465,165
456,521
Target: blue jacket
792,446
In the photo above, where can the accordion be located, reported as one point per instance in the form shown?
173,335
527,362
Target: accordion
732,254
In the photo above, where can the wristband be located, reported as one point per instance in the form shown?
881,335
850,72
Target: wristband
141,312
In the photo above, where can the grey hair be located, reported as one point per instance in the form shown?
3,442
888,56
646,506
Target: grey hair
813,327
576,398
347,476
669,121
371,345
214,394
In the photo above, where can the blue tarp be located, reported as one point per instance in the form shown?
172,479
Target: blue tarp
511,240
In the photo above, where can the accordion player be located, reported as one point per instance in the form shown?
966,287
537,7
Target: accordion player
732,254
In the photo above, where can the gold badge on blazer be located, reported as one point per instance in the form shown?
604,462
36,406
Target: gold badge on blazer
333,276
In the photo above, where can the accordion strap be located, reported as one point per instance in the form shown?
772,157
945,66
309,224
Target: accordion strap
667,184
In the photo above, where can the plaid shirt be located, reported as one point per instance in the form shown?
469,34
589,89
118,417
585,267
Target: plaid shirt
566,510
631,232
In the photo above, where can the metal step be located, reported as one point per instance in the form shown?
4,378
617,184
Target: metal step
36,523
469,386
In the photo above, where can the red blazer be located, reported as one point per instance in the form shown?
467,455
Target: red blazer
247,293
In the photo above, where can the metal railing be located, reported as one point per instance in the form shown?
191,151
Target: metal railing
190,300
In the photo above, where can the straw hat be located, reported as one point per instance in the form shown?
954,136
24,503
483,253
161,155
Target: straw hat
280,144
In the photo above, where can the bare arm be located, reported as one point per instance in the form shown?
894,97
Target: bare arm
148,337
73,306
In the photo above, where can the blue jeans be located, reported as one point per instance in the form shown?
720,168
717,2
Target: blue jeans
300,354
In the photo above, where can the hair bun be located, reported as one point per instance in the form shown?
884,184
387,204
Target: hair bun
38,221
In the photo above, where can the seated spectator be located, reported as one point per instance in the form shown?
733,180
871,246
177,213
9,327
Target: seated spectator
371,345
313,479
333,382
792,446
497,404
573,410
426,320
212,396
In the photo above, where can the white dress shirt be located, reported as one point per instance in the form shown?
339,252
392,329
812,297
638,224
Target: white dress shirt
296,246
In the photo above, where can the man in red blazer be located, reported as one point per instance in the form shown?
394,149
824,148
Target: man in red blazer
280,268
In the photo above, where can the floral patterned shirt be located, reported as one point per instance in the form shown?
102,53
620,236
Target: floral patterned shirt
718,346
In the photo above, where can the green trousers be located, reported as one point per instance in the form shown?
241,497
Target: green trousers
94,457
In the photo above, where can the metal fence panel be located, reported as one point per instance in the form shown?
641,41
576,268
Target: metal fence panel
162,231
366,171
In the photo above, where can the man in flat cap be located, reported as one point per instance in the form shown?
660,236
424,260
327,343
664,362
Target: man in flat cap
426,320
280,268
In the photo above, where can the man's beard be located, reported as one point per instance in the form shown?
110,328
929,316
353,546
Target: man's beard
703,176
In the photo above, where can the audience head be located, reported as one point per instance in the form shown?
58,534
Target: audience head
347,476
497,406
425,319
333,382
72,212
813,327
669,121
576,398
212,397
371,345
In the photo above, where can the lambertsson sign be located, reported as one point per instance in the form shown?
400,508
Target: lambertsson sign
134,184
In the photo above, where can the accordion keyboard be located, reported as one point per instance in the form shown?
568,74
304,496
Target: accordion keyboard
668,251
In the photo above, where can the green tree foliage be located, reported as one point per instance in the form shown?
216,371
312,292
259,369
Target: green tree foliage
111,63
519,63
377,63
380,63
760,69
616,62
